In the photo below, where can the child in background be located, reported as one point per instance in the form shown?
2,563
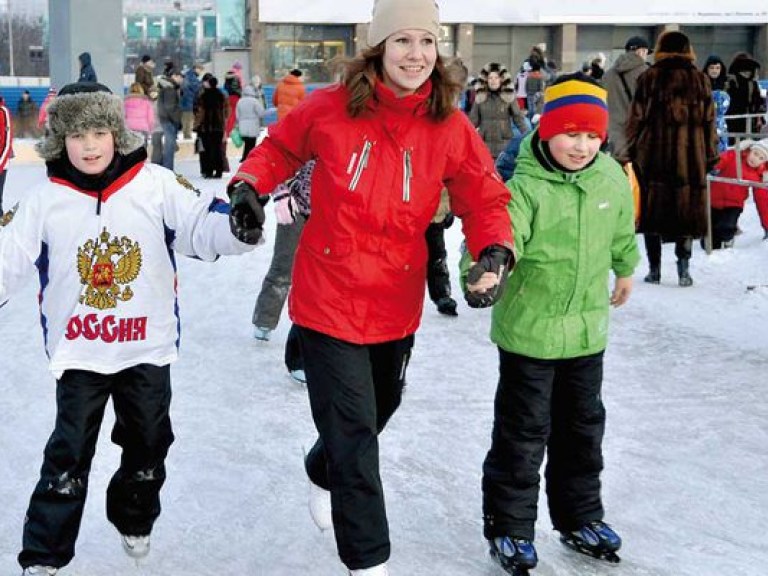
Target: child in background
108,303
574,223
6,148
728,199
139,111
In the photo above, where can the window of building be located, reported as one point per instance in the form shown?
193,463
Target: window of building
306,47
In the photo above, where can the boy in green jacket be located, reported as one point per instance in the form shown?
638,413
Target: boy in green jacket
573,216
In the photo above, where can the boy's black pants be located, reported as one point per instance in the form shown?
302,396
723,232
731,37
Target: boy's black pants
353,391
552,406
141,396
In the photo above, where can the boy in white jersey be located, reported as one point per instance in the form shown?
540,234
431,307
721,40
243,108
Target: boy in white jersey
101,233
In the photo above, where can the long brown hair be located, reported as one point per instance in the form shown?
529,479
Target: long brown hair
360,73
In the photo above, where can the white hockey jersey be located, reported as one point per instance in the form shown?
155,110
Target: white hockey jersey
107,270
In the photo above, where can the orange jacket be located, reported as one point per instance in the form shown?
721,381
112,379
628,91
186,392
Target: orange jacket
288,93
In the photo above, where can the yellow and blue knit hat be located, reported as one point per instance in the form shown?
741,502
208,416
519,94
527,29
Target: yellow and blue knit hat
574,103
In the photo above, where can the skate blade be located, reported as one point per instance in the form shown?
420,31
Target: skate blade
508,568
604,555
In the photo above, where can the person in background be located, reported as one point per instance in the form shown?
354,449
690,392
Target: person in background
386,140
139,111
550,329
620,81
249,111
6,149
496,108
520,93
672,144
288,93
233,86
145,75
727,200
28,113
258,86
714,68
87,71
190,88
211,113
169,112
108,293
42,115
744,91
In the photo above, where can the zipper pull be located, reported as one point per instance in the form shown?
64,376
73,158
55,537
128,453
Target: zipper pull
407,174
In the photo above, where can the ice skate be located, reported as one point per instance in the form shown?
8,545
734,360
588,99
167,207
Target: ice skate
595,539
320,506
39,571
380,570
299,376
515,555
261,333
136,547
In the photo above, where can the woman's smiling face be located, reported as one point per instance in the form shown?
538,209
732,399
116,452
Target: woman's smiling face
408,61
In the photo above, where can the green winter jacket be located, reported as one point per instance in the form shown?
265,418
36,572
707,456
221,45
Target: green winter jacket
570,230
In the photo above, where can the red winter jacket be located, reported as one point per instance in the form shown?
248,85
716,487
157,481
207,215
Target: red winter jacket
733,195
360,266
6,137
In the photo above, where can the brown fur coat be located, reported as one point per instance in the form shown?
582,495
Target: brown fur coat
673,144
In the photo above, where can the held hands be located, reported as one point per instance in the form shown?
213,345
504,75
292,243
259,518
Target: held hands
487,276
621,291
246,214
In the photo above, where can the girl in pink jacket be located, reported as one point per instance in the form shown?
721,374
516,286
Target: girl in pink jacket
139,111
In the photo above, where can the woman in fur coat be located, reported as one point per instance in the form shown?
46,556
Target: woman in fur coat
672,142
495,108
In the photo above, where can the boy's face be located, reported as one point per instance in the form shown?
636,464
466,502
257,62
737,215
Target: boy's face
574,150
756,157
91,151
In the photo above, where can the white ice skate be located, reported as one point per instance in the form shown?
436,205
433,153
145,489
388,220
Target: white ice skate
320,506
380,570
39,571
136,547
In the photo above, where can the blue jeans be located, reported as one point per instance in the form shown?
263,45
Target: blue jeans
170,131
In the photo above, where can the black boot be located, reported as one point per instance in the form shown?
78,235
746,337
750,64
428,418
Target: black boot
682,272
654,275
447,305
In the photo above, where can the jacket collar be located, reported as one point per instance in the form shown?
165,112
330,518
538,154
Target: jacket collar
415,104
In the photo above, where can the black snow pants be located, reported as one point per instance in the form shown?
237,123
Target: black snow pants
438,279
353,391
141,396
552,406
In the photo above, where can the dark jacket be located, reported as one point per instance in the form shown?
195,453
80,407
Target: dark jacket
672,142
211,111
168,101
744,91
190,88
620,81
87,73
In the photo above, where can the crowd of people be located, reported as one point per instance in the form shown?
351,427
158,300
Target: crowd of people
365,176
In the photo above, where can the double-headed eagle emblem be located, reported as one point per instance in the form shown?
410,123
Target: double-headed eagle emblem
106,266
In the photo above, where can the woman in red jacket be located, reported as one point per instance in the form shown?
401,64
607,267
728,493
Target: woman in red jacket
728,199
6,148
386,140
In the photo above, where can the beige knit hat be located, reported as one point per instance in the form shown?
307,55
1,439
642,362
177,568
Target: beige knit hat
389,16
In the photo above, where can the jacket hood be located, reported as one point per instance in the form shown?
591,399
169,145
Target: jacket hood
85,58
249,91
629,61
741,62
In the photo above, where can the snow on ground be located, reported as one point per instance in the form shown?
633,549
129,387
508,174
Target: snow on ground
686,478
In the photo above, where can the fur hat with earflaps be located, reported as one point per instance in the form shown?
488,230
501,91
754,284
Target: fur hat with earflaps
673,44
506,89
84,106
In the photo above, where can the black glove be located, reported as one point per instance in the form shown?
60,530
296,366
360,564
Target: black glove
494,258
246,214
448,220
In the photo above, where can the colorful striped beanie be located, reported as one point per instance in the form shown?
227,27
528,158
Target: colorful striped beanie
574,104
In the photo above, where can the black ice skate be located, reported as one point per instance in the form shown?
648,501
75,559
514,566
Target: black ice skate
515,555
595,539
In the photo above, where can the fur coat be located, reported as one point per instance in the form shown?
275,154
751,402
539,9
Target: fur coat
672,143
